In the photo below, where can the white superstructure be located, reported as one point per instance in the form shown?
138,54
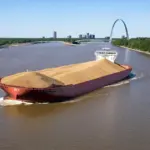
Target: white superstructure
111,55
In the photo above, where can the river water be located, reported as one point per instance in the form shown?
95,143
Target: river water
116,117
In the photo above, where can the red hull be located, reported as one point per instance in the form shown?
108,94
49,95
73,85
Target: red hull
65,91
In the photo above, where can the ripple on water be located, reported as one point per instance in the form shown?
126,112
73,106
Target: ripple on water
132,77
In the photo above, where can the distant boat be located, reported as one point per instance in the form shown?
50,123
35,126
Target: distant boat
71,43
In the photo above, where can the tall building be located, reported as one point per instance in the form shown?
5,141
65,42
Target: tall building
91,36
80,36
84,36
87,35
54,34
69,37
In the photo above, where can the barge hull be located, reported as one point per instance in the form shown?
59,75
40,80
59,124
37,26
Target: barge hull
89,86
68,91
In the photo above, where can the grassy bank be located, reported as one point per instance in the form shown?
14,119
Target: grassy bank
137,44
5,42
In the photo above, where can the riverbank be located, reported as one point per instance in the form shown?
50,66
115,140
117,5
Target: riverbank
15,45
8,42
140,44
137,50
21,44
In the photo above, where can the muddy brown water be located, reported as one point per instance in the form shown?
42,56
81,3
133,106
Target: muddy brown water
114,118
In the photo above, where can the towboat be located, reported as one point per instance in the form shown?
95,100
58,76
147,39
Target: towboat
73,43
73,89
106,53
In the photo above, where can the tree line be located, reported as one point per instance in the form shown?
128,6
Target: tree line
140,43
9,41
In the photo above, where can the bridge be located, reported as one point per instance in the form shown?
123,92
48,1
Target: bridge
93,40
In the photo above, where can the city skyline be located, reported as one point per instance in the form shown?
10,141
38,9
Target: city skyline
39,18
81,36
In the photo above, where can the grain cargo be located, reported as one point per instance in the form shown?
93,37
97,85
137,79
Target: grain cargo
30,80
71,74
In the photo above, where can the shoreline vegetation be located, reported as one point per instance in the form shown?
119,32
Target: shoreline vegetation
137,50
141,45
10,42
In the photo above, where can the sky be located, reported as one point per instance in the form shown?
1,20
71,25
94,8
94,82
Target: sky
38,18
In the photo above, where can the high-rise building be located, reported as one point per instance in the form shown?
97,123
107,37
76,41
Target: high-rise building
54,34
93,36
87,35
84,36
80,36
69,37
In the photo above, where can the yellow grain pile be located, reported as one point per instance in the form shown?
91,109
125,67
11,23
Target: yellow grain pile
30,80
65,69
92,70
69,74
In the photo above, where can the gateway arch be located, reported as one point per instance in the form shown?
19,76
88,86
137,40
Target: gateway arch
126,29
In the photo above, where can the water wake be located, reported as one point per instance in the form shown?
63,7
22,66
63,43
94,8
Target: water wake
9,102
126,81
